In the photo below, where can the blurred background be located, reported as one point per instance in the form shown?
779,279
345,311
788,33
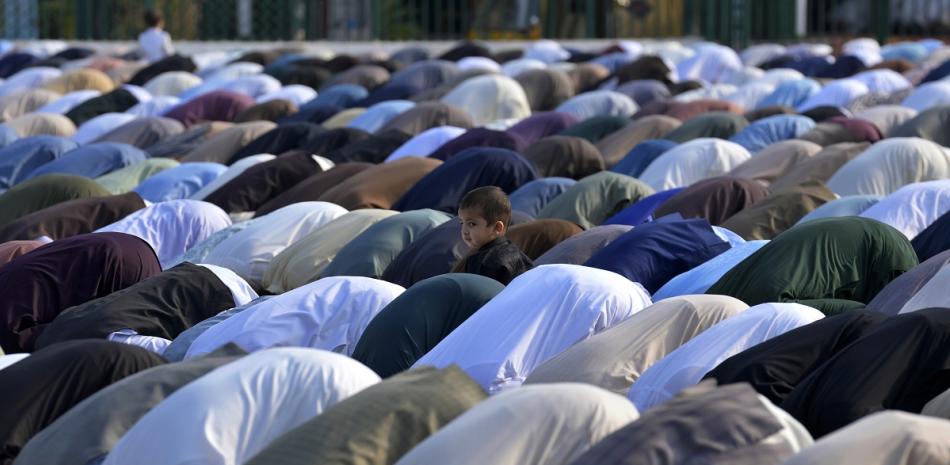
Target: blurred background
731,22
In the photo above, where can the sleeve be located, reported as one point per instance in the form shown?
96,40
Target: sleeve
167,45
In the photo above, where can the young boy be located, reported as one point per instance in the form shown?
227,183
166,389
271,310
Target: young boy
485,213
154,42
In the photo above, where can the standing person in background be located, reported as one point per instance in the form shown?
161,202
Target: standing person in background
154,41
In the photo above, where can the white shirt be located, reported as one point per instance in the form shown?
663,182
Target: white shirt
539,315
155,44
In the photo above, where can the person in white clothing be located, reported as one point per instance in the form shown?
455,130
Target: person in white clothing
154,41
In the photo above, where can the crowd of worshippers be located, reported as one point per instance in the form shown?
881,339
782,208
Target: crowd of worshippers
645,252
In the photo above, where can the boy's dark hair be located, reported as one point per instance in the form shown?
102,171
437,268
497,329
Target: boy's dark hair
152,18
491,202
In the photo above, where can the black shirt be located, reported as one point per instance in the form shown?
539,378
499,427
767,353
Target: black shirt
500,260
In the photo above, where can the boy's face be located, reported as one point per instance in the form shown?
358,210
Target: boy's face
476,231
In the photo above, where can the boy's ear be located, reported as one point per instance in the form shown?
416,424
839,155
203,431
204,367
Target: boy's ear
499,227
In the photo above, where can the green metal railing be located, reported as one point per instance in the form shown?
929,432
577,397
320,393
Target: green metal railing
733,22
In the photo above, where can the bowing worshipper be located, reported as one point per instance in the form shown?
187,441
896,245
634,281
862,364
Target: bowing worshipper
72,217
143,132
898,292
171,83
314,187
45,191
372,251
534,238
123,180
925,125
373,149
598,103
479,137
417,320
271,110
729,424
912,208
10,250
616,145
43,283
654,253
643,210
852,205
898,365
305,260
498,345
379,424
381,186
69,373
89,430
686,365
890,164
545,89
532,196
774,367
38,124
92,160
176,351
425,143
541,125
779,211
115,101
932,240
594,199
640,156
222,147
179,182
699,278
428,115
564,156
329,314
262,182
161,306
24,102
181,144
560,423
379,114
882,438
596,128
616,358
693,161
83,79
715,199
443,188
932,293
819,167
172,228
233,171
774,161
245,405
490,98
796,266
97,127
248,252
217,105
26,155
578,248
886,117
485,214
717,124
771,130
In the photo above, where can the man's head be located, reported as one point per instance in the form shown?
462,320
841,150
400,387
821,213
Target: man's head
153,19
485,213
